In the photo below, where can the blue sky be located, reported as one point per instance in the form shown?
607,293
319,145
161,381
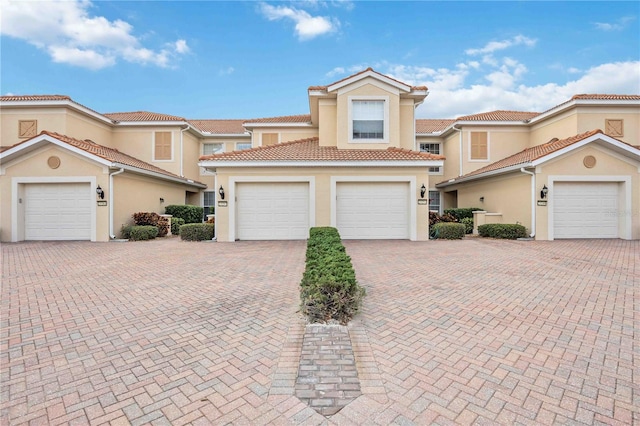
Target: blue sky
211,59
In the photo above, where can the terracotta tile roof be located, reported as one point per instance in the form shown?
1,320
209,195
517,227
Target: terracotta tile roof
531,154
232,126
302,118
142,116
607,97
310,150
424,125
499,116
14,98
108,154
362,72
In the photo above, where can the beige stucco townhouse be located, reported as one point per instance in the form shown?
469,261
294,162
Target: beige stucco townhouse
359,160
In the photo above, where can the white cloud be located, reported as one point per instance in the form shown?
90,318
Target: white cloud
495,46
502,90
69,34
226,71
306,26
619,25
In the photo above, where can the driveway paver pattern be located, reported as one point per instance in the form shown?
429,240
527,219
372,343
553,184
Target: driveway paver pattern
452,332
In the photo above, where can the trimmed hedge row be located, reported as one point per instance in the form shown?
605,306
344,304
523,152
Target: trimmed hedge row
328,290
197,231
509,231
448,231
190,214
142,232
176,223
461,213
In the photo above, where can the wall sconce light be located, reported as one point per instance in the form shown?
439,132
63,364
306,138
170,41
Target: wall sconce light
423,190
100,192
221,192
482,199
161,200
544,192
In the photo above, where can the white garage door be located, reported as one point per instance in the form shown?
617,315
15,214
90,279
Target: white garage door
585,210
57,211
272,211
373,210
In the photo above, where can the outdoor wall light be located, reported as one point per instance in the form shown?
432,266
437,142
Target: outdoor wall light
161,200
100,192
221,192
423,190
544,192
482,199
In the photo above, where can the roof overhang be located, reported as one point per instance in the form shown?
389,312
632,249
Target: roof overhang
583,102
598,139
250,125
58,103
369,73
373,163
40,141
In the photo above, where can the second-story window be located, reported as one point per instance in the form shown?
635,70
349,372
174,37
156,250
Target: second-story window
368,119
241,146
212,148
432,148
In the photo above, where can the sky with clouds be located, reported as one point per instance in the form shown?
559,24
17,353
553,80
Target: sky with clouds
213,59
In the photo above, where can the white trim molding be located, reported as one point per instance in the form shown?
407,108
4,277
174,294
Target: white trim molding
411,180
15,186
625,229
231,196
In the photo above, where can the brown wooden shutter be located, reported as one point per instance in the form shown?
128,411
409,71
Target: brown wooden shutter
163,146
479,146
269,139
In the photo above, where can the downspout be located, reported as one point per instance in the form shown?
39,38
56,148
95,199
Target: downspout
533,201
182,150
215,207
460,148
111,175
415,137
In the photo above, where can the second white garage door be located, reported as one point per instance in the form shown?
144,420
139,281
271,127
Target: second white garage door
373,210
57,211
585,210
272,211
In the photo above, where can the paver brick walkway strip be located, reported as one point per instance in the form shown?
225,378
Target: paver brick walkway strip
327,376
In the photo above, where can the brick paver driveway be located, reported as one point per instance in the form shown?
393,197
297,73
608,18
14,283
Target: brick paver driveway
169,332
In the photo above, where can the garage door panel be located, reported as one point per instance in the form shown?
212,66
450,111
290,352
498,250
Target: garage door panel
373,210
583,210
272,211
58,211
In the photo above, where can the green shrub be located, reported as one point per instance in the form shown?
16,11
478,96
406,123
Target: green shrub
461,213
509,231
190,214
468,224
196,231
329,290
125,231
448,231
144,232
152,219
176,223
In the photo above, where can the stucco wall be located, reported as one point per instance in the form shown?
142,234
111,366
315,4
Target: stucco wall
322,178
35,167
51,119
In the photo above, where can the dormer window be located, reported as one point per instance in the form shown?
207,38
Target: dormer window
369,119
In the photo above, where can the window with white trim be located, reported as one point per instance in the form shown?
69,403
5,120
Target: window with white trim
368,119
432,148
241,146
209,203
212,148
434,201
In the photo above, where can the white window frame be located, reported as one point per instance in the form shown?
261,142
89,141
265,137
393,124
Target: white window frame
477,160
153,146
385,100
213,193
213,143
243,143
432,170
439,209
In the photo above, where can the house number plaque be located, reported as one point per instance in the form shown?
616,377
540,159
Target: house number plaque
222,204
